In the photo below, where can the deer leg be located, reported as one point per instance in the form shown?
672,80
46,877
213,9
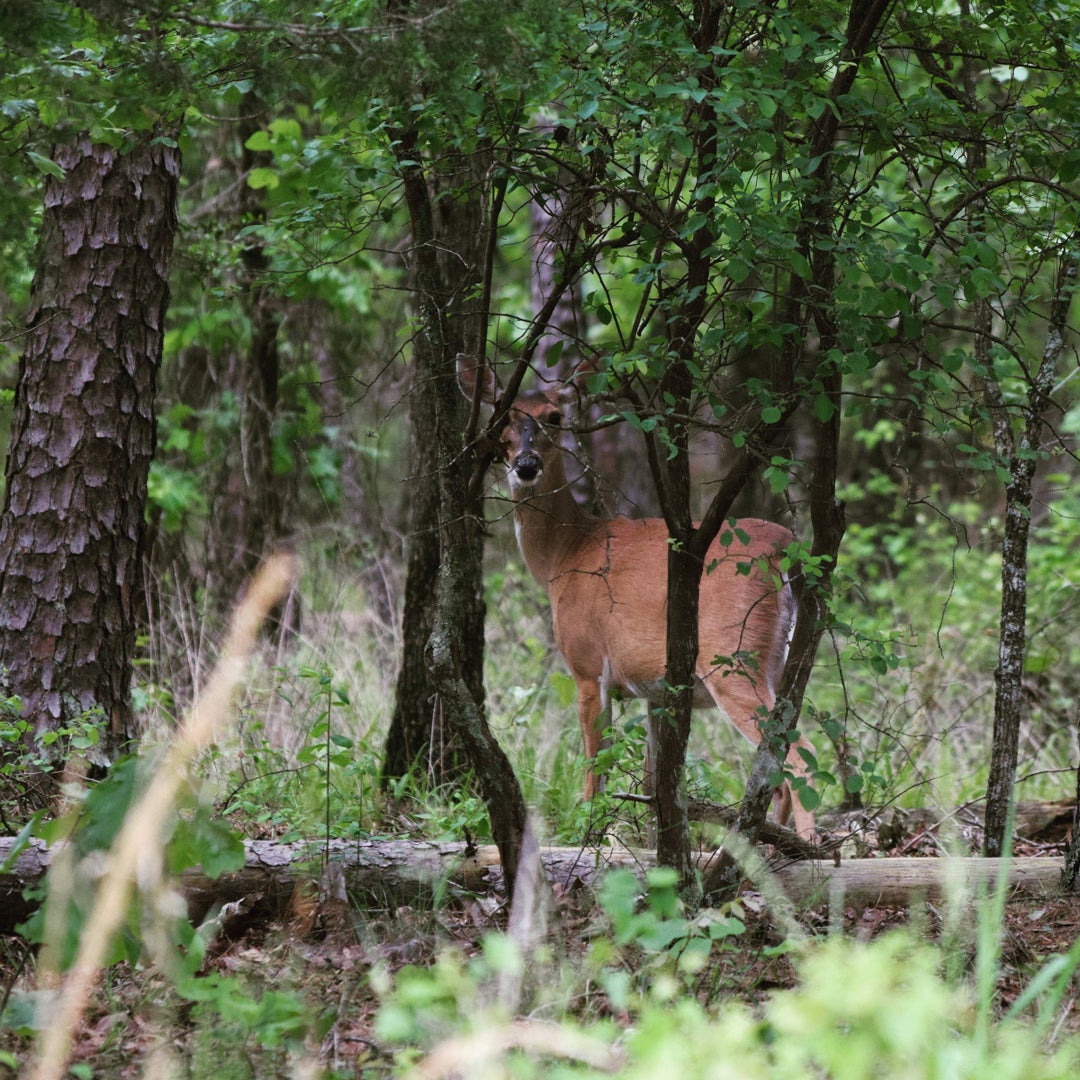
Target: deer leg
648,779
742,701
591,709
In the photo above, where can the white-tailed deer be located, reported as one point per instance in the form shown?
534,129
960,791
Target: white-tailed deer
607,583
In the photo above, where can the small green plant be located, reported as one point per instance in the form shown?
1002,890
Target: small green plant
452,812
655,927
861,1011
326,783
26,755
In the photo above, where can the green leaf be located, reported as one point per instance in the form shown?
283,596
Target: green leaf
259,140
263,178
106,805
286,129
738,270
565,688
46,165
209,842
824,408
777,479
23,1009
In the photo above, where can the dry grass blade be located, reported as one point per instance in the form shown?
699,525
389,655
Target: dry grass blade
480,1054
137,853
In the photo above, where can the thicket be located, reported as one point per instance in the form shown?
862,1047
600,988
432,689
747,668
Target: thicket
949,227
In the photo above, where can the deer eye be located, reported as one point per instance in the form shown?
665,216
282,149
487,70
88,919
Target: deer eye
555,419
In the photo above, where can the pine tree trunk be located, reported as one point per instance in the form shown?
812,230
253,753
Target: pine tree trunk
71,529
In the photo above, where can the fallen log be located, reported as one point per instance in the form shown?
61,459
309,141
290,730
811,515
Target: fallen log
899,882
388,873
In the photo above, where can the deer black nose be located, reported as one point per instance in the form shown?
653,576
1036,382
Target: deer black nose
528,466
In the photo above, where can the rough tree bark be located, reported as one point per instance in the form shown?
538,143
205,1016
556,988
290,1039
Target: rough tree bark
83,431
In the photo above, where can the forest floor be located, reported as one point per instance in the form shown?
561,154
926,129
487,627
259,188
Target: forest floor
326,955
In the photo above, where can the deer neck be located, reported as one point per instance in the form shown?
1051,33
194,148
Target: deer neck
551,527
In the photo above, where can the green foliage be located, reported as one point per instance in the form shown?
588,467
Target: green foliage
198,837
233,1013
665,153
27,755
667,942
851,1014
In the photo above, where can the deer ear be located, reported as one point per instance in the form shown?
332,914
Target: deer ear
469,372
566,399
579,380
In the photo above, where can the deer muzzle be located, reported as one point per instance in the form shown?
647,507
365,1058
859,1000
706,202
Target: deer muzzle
527,467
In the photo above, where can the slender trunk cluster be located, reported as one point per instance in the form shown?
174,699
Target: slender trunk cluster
447,279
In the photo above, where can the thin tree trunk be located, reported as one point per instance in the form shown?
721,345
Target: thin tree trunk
455,636
671,472
672,721
1023,457
814,304
415,735
247,512
71,530
554,228
418,731
555,219
1070,874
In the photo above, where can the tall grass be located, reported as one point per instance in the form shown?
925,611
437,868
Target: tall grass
137,854
908,674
